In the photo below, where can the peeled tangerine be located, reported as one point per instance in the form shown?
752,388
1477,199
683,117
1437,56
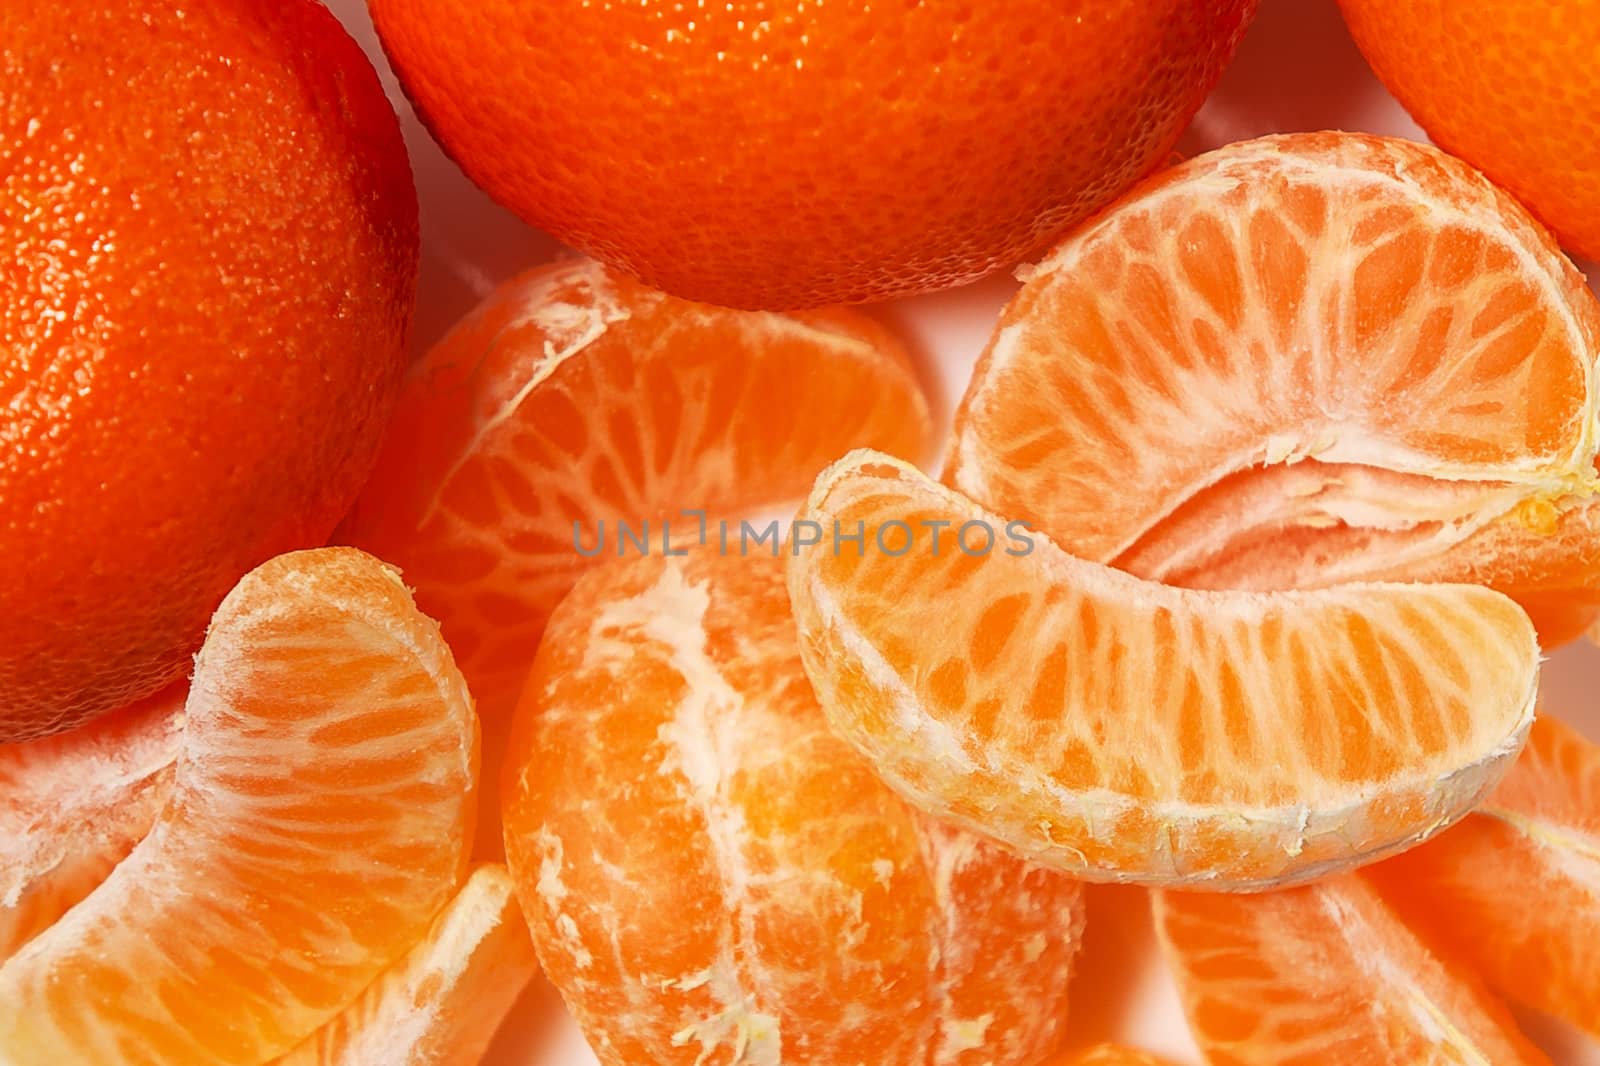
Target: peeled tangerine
320,814
1301,361
1326,974
712,876
1125,730
1515,888
575,399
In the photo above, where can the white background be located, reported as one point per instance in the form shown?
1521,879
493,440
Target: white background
1297,70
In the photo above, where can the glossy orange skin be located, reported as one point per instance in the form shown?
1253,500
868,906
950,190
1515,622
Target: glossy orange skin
207,271
787,153
1508,86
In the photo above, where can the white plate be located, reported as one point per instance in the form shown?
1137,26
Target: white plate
1297,70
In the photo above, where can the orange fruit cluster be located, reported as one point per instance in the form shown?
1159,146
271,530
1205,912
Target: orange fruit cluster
1275,481
577,414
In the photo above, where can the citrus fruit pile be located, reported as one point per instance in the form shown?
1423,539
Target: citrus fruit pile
1278,478
576,408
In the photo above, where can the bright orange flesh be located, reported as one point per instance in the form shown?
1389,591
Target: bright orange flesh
441,1004
1514,890
576,397
320,815
1130,731
73,805
208,258
1523,108
712,876
787,153
1107,1055
1325,974
1300,361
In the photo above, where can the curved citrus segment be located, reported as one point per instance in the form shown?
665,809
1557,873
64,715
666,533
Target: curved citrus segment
1297,361
73,805
320,815
575,399
1325,974
712,876
1130,731
1515,888
441,1004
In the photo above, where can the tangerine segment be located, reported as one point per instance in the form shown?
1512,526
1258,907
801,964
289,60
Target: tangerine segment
1306,526
1107,1055
1515,888
73,805
1325,973
575,398
712,876
441,1004
1130,731
1368,313
320,815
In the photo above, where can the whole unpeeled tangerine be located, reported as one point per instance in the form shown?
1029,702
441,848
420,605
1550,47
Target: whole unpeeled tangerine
1509,87
786,153
208,249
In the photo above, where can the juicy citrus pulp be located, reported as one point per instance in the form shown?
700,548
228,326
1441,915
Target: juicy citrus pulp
1130,731
320,814
73,805
712,876
1514,890
1325,973
442,1002
1107,1055
574,400
1299,361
